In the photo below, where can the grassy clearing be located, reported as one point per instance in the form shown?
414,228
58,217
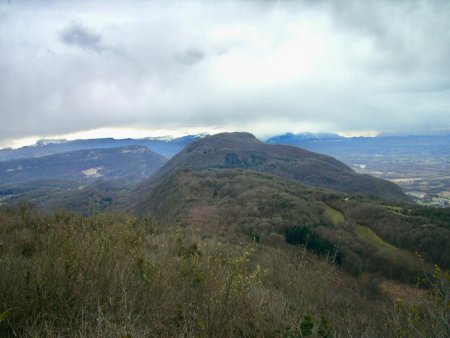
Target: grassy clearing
370,236
386,248
389,255
334,216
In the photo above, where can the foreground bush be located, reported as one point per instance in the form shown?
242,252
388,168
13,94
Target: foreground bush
113,276
429,317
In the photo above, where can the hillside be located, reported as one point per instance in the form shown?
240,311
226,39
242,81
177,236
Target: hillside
222,249
126,163
237,203
243,150
113,275
419,164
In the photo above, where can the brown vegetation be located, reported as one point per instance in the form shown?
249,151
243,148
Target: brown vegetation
114,276
231,203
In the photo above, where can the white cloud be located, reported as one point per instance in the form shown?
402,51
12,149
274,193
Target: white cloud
263,66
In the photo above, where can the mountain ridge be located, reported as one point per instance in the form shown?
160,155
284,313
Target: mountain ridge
131,162
245,151
45,147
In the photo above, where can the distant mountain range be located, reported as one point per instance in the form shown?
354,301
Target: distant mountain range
325,143
167,147
50,162
293,139
129,163
338,146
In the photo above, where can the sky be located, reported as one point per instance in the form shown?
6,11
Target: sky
78,69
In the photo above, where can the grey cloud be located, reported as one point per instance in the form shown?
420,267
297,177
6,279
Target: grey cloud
409,37
191,57
267,66
80,36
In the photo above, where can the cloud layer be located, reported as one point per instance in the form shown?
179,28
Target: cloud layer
262,66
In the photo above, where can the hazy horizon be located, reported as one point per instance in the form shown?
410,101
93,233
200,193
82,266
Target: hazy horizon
144,134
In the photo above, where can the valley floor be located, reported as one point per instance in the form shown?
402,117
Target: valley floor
425,179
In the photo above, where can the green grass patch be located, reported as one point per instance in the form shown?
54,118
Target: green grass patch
370,236
404,260
334,216
396,209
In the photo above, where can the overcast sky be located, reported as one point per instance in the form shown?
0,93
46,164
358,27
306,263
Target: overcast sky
150,67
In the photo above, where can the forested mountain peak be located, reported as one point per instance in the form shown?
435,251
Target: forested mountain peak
243,150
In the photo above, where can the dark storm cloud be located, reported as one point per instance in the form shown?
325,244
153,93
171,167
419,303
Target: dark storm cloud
78,35
264,66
